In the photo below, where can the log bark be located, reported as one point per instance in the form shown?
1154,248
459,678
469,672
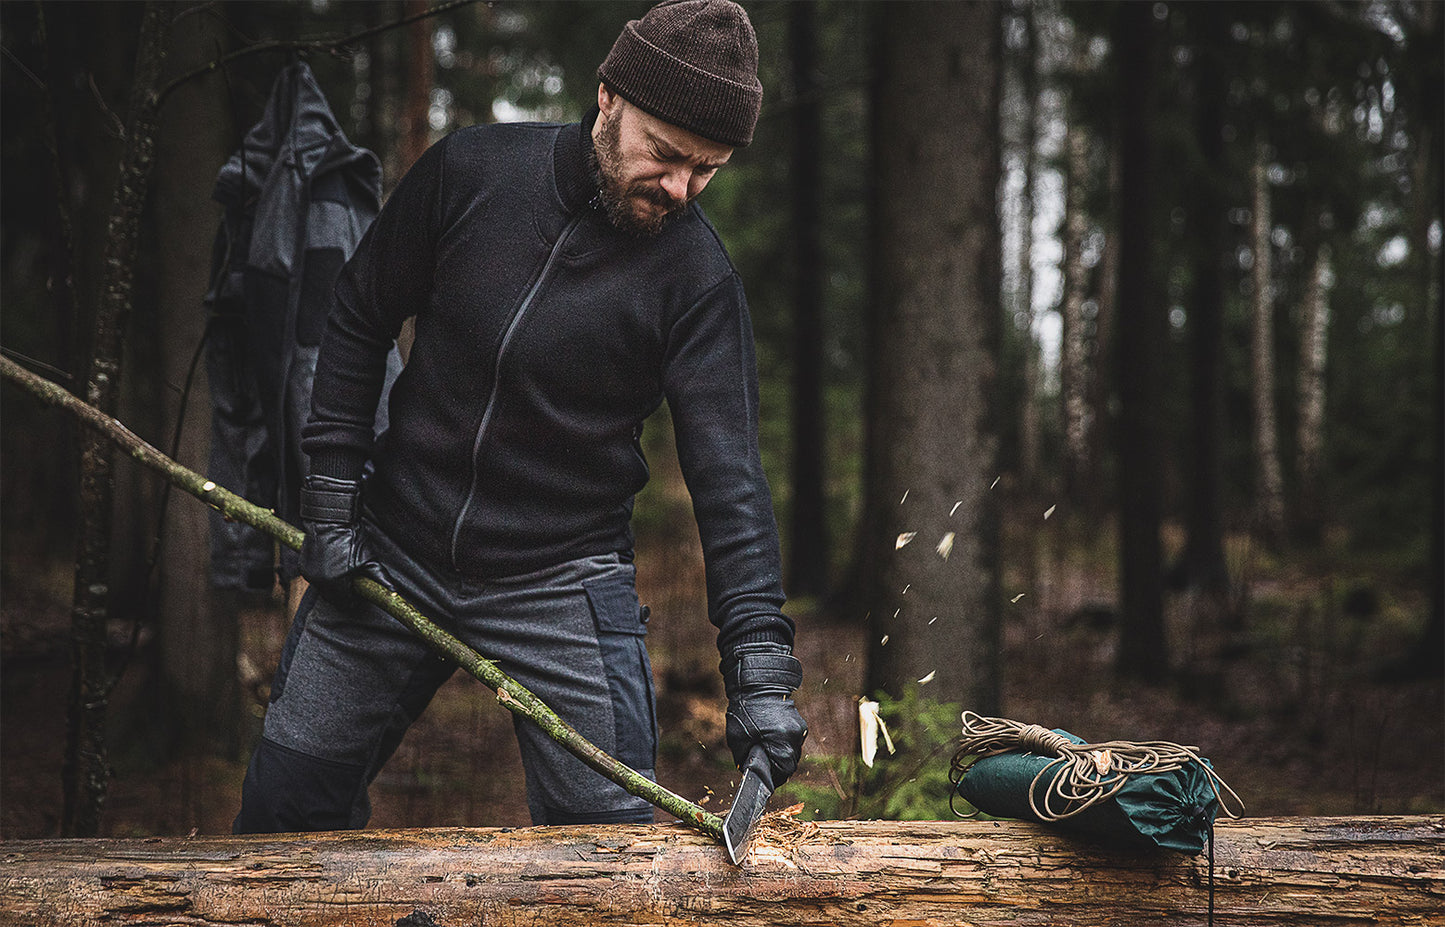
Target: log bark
1337,871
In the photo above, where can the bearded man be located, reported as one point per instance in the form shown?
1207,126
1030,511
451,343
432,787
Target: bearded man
563,284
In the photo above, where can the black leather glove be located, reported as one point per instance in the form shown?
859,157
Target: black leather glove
335,549
760,679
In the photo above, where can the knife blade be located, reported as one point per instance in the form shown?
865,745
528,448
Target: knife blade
749,803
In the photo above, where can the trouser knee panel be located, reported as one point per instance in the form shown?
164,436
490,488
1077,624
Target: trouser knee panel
288,792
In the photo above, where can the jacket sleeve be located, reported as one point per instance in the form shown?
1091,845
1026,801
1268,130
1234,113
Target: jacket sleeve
711,382
387,280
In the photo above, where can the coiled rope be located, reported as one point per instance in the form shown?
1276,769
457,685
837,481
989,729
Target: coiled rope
1082,775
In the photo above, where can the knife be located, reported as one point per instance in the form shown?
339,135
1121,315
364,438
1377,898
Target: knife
749,803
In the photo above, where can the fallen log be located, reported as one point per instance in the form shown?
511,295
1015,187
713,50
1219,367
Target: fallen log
1277,871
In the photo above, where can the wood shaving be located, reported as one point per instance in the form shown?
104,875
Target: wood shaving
783,830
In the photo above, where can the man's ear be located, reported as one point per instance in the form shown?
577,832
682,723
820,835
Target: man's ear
606,99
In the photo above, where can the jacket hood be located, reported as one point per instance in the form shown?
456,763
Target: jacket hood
297,129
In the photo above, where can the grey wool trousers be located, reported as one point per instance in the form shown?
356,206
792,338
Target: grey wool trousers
352,679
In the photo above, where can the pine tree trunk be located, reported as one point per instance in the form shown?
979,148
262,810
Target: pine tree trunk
1279,871
1269,481
1143,649
1102,385
198,697
934,594
86,766
1204,555
416,117
1429,137
1073,349
1314,347
1030,440
808,550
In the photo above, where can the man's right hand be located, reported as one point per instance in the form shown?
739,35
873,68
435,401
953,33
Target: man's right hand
760,679
335,549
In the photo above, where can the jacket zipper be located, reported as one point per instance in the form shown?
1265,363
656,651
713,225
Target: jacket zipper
512,327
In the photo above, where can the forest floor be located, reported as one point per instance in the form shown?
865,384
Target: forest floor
1299,710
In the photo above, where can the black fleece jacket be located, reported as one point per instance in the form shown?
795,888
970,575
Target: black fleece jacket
544,337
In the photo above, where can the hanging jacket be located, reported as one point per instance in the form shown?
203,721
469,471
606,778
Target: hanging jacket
298,197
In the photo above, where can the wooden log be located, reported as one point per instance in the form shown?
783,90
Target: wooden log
1276,871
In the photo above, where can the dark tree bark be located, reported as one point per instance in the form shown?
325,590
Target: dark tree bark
199,700
808,548
420,68
933,589
1143,649
86,765
1204,553
1427,41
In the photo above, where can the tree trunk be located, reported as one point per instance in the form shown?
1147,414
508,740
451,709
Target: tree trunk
1281,871
934,602
1269,481
1030,438
1310,441
199,697
1143,650
86,765
420,69
1429,136
1073,347
1102,386
1204,561
808,550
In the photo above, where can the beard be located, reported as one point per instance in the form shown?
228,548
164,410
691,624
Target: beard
625,202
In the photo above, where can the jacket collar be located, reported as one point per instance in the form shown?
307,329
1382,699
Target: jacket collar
572,161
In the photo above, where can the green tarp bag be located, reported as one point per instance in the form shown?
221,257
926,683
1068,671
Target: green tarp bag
1133,796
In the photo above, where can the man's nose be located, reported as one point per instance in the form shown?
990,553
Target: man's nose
675,183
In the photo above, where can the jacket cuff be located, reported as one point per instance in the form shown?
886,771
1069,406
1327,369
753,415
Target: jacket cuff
338,464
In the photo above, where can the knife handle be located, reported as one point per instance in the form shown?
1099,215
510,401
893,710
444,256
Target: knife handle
757,763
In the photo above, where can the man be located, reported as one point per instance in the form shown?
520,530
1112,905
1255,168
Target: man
563,284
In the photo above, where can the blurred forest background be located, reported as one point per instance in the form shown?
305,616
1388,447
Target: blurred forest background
1101,363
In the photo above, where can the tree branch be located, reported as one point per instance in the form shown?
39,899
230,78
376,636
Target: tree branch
511,694
316,45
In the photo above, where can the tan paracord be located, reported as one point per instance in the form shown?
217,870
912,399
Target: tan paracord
1087,773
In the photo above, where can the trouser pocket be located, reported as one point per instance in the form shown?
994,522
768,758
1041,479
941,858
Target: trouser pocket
621,638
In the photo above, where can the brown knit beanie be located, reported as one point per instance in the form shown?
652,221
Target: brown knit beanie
692,63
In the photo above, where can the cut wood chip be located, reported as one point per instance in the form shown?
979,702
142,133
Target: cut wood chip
870,725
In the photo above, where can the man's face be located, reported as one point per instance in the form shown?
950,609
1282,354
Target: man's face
650,169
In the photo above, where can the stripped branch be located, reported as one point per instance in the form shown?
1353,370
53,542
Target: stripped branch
511,694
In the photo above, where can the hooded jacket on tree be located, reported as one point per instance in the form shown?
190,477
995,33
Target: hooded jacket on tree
298,197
